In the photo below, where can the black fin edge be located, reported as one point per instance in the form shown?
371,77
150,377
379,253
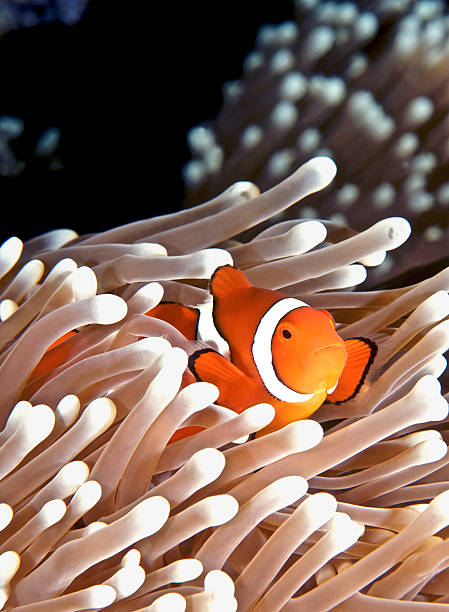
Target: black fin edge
370,361
193,357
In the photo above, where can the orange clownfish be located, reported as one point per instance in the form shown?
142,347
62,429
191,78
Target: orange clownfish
282,351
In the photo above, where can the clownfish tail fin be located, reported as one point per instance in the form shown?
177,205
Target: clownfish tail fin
227,279
361,353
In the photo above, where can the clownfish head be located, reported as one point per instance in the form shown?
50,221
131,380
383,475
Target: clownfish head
307,353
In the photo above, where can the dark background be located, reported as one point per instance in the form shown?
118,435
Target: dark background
123,86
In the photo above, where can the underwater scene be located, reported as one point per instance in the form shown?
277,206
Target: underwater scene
224,318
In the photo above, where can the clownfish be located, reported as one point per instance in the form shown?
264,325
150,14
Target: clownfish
282,351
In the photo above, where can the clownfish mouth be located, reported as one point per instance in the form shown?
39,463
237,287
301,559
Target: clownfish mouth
328,348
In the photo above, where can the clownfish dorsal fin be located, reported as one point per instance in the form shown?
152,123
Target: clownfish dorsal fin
227,279
361,353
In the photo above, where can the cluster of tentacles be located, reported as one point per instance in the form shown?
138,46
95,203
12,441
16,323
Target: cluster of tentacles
344,510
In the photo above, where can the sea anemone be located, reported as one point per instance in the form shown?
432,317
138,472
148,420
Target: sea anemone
11,128
16,14
362,82
98,509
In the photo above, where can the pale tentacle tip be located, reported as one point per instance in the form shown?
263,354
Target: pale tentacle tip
325,167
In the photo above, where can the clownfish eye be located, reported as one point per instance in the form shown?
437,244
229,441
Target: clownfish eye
286,333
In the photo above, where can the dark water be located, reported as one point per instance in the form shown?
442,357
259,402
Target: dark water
123,85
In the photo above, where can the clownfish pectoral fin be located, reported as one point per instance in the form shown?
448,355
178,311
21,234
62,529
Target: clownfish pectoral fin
227,279
184,318
234,385
361,353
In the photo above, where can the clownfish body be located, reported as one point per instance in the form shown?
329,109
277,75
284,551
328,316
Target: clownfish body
282,352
